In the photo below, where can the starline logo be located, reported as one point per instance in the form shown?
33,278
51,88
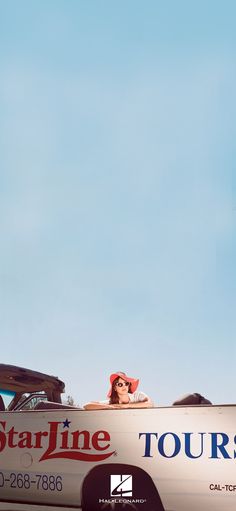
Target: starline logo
58,442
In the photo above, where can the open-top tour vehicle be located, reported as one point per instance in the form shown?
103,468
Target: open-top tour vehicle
54,456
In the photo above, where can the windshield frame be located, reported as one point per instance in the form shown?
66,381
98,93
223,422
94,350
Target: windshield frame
8,396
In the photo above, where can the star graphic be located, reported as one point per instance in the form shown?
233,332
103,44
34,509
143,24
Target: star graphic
66,423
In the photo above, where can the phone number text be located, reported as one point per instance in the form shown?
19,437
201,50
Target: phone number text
27,481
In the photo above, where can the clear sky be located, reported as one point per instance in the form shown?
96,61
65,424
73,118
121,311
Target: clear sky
118,193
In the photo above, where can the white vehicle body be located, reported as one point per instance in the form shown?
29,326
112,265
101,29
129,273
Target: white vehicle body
57,457
172,458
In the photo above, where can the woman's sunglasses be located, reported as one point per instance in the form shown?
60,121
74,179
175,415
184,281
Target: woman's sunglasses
125,384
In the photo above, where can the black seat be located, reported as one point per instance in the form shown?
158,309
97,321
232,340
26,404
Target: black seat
192,399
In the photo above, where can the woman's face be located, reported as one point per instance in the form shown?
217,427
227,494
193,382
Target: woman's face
122,387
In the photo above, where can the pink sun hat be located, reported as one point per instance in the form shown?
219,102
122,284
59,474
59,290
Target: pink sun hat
133,381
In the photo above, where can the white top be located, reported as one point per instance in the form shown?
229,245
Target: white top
137,397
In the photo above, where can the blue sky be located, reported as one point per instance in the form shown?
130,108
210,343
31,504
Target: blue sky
118,194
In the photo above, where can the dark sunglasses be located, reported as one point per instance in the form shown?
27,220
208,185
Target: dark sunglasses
125,384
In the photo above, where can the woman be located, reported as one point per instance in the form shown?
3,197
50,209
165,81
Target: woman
122,394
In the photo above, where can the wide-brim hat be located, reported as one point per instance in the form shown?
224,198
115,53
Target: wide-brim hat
133,381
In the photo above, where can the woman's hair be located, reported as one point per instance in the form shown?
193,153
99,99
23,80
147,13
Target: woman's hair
114,399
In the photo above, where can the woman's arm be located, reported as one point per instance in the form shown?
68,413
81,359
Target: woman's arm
97,405
138,404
